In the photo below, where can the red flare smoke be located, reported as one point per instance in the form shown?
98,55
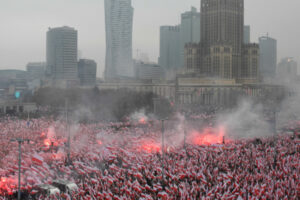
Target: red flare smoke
143,120
58,156
43,134
99,142
7,185
150,146
47,142
208,136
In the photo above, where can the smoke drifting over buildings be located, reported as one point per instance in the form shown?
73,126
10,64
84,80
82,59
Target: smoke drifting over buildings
213,119
206,60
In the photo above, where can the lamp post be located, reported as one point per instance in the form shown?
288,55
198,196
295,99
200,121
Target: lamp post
68,132
275,122
184,131
184,139
160,115
20,142
163,150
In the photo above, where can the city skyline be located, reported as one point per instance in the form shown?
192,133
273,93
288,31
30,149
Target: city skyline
26,31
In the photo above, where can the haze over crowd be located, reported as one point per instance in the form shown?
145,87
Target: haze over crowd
24,25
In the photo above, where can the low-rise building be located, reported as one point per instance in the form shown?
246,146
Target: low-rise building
149,71
87,71
189,90
15,106
36,70
287,70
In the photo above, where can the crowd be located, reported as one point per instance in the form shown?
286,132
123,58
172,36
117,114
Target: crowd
117,161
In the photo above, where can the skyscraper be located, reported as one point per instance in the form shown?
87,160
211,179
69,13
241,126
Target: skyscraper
62,55
118,25
247,34
169,47
222,23
174,38
189,30
268,56
222,52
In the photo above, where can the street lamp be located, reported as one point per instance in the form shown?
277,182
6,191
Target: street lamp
20,141
68,131
163,149
184,145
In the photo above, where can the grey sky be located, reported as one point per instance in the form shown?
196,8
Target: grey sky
24,24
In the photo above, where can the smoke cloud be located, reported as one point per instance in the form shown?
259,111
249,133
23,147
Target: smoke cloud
247,120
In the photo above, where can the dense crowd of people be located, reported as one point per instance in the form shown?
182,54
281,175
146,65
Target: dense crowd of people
126,161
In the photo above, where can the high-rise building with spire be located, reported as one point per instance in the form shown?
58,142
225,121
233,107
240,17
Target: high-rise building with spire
222,52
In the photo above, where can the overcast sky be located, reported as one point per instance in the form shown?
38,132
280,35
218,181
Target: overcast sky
24,23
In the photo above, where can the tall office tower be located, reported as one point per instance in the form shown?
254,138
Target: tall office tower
169,54
87,71
189,30
268,56
62,55
118,25
222,25
247,34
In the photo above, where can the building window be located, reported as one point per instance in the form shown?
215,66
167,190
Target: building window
226,49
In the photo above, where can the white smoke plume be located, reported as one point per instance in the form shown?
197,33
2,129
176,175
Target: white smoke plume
245,121
139,116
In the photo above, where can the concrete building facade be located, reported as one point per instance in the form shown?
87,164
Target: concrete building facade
187,91
87,71
62,56
222,23
268,56
287,70
189,30
169,51
36,70
174,38
220,52
247,34
149,71
118,26
250,63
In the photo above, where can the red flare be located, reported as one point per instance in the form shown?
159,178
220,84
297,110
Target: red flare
47,142
208,136
150,146
143,120
58,156
99,142
43,134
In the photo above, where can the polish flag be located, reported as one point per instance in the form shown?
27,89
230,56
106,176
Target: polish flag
38,160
